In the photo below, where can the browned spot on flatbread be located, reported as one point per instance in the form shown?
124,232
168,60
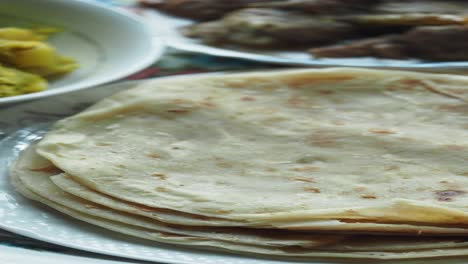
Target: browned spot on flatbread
458,108
465,173
368,196
144,208
305,168
322,139
350,212
160,176
223,211
409,84
381,131
312,190
223,163
338,123
448,195
173,235
406,139
178,111
153,155
391,167
47,169
455,147
359,189
302,179
181,101
391,88
200,217
437,91
248,82
410,81
248,98
459,91
298,102
161,189
91,206
326,92
298,82
207,104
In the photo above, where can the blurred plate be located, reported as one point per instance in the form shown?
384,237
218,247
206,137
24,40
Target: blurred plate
167,27
108,43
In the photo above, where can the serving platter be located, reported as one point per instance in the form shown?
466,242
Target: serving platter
108,43
168,26
23,124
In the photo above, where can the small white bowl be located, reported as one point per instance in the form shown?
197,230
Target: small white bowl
108,43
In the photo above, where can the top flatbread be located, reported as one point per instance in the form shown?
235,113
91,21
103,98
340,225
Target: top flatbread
279,147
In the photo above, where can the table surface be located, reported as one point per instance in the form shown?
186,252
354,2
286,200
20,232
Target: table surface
19,249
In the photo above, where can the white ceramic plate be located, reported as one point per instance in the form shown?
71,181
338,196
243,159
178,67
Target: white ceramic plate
26,123
26,256
167,27
108,43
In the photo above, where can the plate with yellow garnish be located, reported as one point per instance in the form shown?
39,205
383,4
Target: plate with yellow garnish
52,47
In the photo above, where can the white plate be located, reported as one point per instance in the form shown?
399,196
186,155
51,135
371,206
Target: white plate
28,122
167,26
27,256
108,43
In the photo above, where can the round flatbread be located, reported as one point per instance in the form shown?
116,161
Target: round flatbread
283,147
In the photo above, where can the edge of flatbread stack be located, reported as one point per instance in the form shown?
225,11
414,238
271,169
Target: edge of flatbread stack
331,163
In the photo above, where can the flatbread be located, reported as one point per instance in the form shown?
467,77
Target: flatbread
30,169
232,247
65,182
282,146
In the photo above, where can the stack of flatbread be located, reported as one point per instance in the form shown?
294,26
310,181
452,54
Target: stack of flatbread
338,163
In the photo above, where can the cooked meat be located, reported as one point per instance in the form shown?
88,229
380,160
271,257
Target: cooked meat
271,28
325,7
422,6
210,32
414,19
385,47
443,43
438,43
198,9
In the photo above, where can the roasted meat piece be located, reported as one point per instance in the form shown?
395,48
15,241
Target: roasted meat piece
201,10
441,43
422,6
385,46
415,19
447,43
271,28
325,7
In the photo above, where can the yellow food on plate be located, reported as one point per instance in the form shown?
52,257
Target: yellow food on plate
25,59
15,82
